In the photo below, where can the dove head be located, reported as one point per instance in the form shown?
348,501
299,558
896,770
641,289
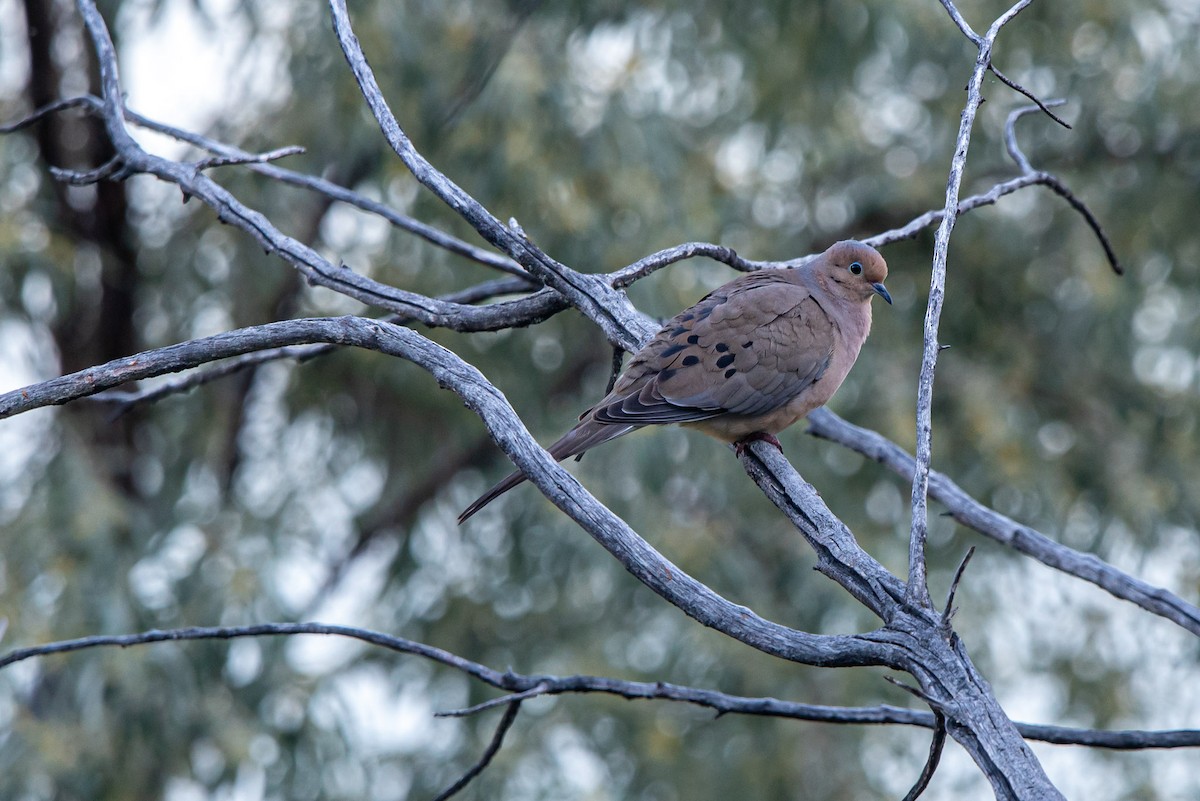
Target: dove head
853,270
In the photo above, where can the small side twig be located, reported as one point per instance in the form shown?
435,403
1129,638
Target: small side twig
108,169
916,692
1053,182
961,22
506,722
1010,135
249,158
936,745
1043,107
1060,189
539,689
88,103
125,400
949,610
978,41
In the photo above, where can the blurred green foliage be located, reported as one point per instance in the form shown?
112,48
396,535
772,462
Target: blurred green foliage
1069,400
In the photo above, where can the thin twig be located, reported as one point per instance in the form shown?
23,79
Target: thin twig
1043,107
646,265
916,692
936,746
506,722
249,158
1010,134
540,689
953,11
1054,183
37,115
948,610
1060,189
108,169
125,401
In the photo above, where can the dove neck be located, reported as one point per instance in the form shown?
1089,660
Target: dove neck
850,315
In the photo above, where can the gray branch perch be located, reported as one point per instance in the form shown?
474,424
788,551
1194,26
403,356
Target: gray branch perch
522,687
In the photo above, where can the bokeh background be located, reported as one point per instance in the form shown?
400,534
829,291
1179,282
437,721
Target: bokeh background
327,490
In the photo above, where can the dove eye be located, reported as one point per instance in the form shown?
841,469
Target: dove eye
856,268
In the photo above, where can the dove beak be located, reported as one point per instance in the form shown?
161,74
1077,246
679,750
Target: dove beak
882,292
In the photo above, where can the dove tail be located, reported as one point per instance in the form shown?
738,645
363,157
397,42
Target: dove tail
510,481
587,434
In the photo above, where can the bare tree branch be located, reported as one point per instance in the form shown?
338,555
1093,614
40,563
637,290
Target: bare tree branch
286,336
689,250
507,429
1044,107
523,687
331,190
918,587
127,400
606,307
915,638
315,268
939,663
1054,183
973,514
962,24
113,168
124,401
619,279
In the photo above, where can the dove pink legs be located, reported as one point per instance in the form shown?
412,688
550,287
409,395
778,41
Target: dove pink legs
740,446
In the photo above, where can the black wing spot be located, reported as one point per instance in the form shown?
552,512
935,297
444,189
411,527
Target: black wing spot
725,360
729,373
693,339
721,347
748,344
665,375
679,331
671,351
688,361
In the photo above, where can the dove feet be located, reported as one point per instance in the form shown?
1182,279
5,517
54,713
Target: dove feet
740,446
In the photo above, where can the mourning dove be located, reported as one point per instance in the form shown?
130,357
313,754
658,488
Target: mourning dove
744,363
